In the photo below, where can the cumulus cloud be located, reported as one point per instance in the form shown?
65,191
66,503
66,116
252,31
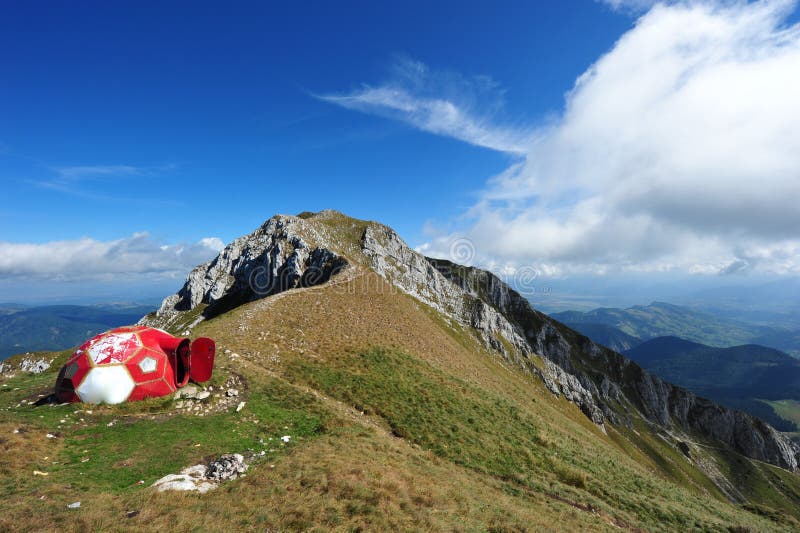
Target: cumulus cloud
137,256
677,150
442,103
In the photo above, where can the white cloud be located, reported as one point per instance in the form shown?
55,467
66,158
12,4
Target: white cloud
440,103
678,150
137,256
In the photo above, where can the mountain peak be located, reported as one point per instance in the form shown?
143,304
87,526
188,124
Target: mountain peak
289,253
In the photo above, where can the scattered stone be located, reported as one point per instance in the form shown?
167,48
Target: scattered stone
202,478
189,391
240,406
185,482
131,514
227,352
40,473
202,395
286,438
74,505
50,436
180,405
230,393
229,466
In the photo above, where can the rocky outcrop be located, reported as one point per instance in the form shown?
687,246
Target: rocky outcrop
203,478
559,381
414,274
281,254
228,466
34,363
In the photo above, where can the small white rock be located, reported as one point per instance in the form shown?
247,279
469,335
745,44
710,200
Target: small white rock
240,406
197,471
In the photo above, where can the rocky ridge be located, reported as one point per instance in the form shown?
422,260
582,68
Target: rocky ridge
610,377
282,254
290,252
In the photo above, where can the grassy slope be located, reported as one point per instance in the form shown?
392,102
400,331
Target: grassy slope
401,420
427,381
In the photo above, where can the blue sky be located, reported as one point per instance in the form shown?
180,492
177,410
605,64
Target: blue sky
151,132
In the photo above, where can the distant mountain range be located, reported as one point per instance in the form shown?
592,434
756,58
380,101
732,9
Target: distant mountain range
623,329
57,327
740,377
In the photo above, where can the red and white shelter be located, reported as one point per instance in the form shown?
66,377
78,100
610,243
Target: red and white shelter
133,363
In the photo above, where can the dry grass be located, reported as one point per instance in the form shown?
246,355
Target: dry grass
355,480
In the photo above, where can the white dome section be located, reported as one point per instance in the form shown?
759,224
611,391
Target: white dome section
106,384
147,365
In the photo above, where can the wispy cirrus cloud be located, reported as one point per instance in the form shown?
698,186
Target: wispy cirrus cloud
677,150
82,180
438,102
92,171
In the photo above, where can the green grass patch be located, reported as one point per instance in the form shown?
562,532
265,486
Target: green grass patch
492,435
455,420
114,447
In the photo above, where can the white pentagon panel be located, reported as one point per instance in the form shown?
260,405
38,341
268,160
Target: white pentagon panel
147,365
106,384
113,348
